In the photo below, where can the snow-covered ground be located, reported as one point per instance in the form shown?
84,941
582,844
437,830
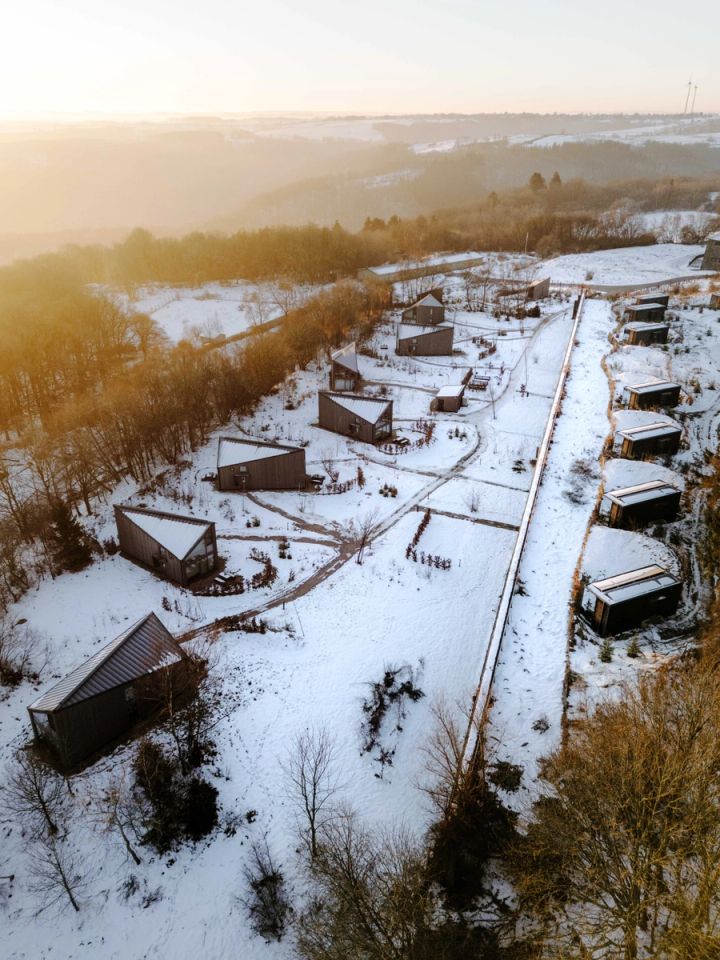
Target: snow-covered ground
209,310
335,625
626,266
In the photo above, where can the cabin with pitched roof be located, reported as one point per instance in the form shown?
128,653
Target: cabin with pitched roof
428,311
652,393
344,370
175,547
643,503
621,602
259,465
415,340
128,680
364,418
650,439
643,334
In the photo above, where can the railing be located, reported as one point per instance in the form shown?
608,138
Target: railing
492,653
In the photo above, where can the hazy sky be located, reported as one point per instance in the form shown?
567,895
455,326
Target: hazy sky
136,56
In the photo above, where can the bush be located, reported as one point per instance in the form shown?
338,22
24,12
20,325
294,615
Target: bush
267,901
200,809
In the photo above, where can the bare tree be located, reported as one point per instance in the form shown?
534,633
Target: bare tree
313,780
55,872
330,468
34,793
366,527
118,812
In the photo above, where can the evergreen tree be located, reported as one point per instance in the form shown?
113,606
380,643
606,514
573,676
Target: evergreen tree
537,182
69,543
555,181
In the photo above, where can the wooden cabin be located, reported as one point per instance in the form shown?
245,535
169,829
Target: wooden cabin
647,312
175,547
538,289
627,599
651,439
415,340
128,680
711,259
654,296
259,465
364,418
344,370
643,334
448,399
633,507
715,301
652,393
428,311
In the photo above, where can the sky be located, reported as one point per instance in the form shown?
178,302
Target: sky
134,57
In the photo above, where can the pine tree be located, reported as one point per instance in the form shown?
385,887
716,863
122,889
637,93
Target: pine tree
537,182
69,544
555,181
606,651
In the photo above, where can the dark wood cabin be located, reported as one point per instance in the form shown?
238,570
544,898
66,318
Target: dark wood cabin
644,334
652,439
715,301
448,399
636,506
654,296
414,340
259,465
647,312
651,394
364,418
428,310
538,289
344,370
123,683
711,258
177,548
626,600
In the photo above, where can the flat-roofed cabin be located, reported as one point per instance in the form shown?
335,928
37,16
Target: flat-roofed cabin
627,599
644,334
654,296
652,394
448,399
643,503
649,440
648,312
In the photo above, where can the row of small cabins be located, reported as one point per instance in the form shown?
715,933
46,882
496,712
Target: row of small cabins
627,599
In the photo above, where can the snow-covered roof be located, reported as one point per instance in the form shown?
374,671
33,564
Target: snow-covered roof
142,649
234,450
634,583
715,237
178,535
643,307
652,386
370,409
650,430
641,492
455,390
647,326
427,301
347,357
406,331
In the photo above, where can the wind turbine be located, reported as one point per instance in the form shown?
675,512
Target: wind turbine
687,97
692,108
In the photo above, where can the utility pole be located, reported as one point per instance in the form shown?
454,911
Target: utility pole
687,96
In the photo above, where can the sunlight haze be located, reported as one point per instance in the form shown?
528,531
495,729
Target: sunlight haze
154,56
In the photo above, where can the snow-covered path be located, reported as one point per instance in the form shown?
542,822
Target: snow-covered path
528,688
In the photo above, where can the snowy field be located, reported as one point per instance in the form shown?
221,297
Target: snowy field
335,625
629,266
207,311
